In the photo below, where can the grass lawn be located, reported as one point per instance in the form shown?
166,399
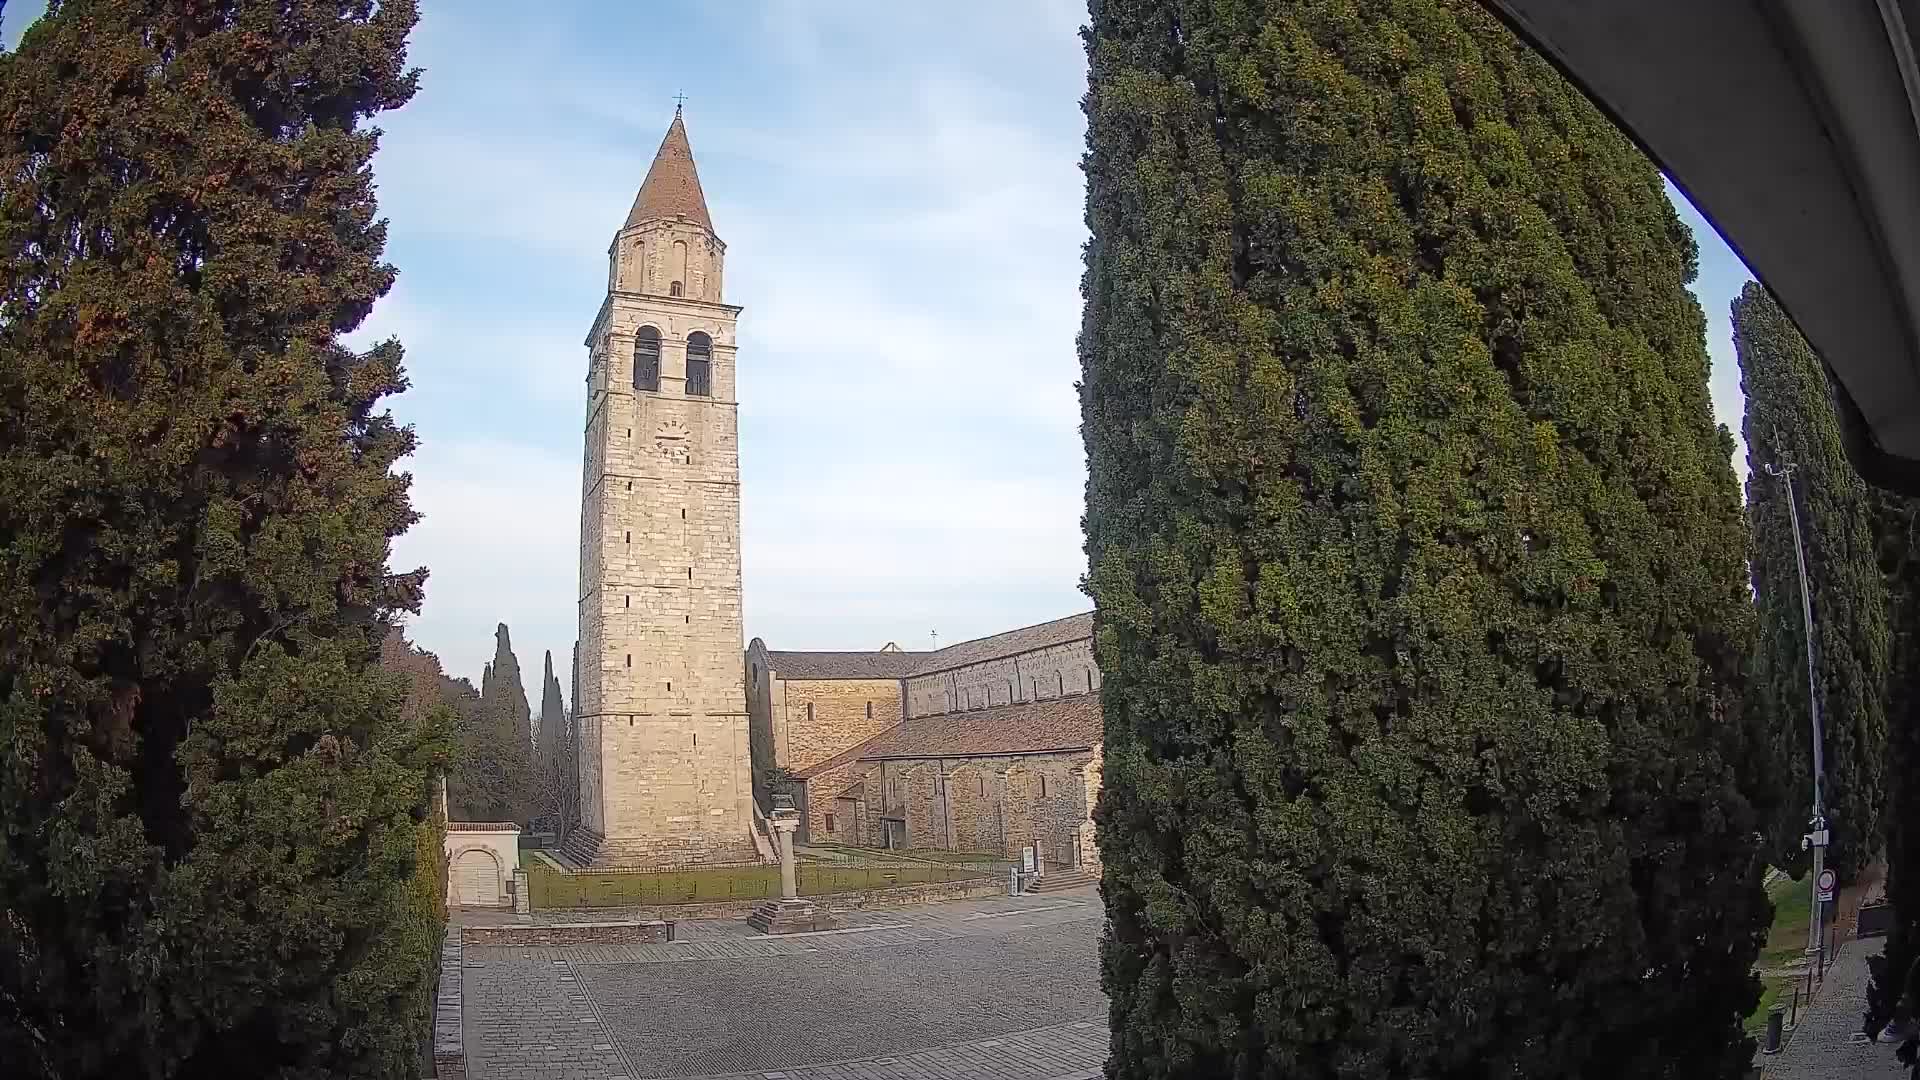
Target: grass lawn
1771,990
549,888
1787,938
1786,945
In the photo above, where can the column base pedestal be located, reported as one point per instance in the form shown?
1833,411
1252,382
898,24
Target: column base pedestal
791,917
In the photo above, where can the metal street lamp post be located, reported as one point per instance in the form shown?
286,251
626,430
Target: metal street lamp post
1816,839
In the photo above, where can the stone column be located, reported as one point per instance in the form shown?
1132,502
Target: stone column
789,914
783,830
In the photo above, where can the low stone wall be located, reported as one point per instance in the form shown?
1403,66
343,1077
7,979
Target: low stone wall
449,1044
625,932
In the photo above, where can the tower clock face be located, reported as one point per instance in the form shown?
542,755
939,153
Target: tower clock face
673,441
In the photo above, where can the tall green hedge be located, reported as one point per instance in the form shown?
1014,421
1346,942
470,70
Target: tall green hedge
212,806
1418,559
1897,525
1790,417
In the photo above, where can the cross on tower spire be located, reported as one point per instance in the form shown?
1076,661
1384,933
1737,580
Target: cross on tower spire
679,101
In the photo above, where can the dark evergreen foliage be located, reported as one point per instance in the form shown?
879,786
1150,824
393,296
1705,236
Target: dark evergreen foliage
551,750
1790,416
1895,990
501,747
211,799
510,692
1418,559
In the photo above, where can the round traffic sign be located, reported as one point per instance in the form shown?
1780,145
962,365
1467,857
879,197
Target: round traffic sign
1827,881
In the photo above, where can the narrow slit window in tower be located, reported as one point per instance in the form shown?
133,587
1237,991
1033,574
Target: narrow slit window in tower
1043,785
629,659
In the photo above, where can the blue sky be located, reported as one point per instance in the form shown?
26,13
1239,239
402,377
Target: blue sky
900,193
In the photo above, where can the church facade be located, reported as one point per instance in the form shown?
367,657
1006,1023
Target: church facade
987,746
990,745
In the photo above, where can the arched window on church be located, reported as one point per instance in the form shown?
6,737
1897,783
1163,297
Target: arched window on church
676,289
646,359
699,365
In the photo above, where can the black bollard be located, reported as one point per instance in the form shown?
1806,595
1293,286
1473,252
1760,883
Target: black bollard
1775,1017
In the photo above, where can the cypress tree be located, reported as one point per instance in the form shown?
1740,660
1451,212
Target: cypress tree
1790,417
552,738
553,712
211,798
475,790
1897,525
507,735
1418,560
510,691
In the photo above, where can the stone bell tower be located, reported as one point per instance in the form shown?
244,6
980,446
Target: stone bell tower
663,758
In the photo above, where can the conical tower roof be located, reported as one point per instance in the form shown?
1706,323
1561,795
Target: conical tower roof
672,187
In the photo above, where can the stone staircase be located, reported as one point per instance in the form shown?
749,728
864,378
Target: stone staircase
1062,880
763,837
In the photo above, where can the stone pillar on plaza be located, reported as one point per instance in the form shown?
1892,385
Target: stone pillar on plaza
790,914
783,830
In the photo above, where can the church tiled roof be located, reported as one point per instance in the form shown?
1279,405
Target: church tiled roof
1029,727
895,664
672,187
841,665
1025,639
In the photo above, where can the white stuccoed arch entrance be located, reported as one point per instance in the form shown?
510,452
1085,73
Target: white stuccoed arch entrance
481,859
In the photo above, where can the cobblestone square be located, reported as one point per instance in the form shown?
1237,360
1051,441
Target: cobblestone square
1005,988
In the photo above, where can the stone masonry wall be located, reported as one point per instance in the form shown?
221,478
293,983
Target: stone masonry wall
1031,676
816,719
629,932
666,765
822,790
993,804
651,256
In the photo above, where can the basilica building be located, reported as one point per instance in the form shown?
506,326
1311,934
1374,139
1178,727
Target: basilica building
990,745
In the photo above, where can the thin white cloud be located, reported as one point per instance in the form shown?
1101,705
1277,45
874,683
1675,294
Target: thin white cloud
904,228
909,270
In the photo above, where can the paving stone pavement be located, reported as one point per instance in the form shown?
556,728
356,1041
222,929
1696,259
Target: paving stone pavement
1002,989
1065,1052
1823,1046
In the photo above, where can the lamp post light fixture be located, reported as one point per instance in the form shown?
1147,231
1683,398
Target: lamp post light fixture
1816,839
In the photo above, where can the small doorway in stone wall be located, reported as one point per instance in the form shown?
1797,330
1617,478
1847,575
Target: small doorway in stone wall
893,832
476,879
